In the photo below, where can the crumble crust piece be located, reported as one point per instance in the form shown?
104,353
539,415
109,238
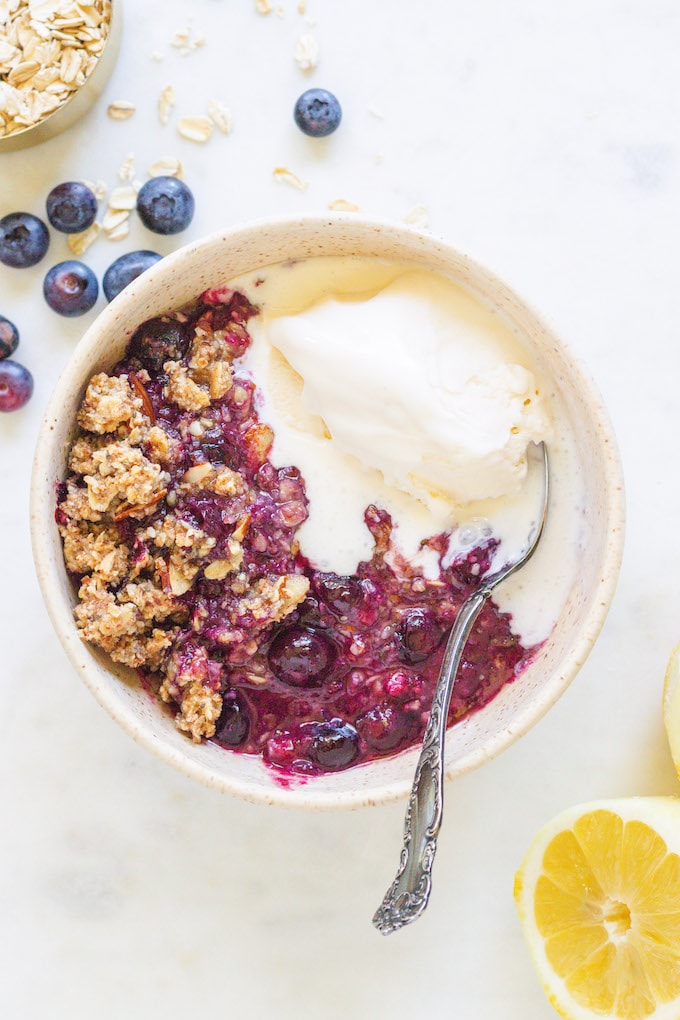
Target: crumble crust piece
136,556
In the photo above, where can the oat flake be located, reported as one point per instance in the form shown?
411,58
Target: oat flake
286,176
196,129
120,109
307,53
166,166
166,102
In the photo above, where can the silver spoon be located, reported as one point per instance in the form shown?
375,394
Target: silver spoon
407,897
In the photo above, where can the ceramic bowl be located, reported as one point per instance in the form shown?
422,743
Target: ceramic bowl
79,101
596,518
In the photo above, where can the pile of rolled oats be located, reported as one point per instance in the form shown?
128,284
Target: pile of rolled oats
48,49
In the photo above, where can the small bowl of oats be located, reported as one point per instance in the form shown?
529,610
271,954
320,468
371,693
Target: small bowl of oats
56,57
257,508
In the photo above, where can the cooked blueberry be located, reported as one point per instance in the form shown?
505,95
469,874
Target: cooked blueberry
159,340
335,745
317,113
70,288
71,207
214,452
301,657
24,240
126,269
16,385
9,338
165,205
341,594
234,721
418,635
386,728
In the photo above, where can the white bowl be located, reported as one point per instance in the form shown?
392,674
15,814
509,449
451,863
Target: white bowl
177,279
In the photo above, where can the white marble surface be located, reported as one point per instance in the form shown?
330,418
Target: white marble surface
542,139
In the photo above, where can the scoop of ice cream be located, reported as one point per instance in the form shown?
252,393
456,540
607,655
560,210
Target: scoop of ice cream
413,382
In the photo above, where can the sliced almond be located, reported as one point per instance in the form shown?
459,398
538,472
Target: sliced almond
256,679
107,562
286,176
241,529
263,6
218,570
197,473
179,583
120,109
196,129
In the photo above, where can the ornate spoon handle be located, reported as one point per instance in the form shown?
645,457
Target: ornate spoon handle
407,897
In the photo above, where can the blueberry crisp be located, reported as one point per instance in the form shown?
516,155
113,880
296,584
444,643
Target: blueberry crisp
180,535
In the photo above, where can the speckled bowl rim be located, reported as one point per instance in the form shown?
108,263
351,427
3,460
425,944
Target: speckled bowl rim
42,514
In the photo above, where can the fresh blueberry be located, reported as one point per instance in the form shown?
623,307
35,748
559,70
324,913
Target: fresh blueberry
16,385
301,657
386,728
9,338
317,113
70,288
418,635
24,239
335,745
126,269
234,721
159,340
165,205
71,207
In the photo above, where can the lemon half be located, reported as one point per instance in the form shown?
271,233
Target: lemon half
598,895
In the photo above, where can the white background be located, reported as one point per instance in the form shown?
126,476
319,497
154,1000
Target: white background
542,139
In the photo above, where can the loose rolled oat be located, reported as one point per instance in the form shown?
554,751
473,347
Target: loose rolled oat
307,53
286,176
166,101
121,109
166,166
196,129
220,116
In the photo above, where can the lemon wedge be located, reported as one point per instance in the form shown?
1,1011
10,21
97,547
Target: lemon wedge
671,705
598,896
